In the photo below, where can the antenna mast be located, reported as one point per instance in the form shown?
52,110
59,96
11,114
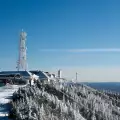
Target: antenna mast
22,59
76,76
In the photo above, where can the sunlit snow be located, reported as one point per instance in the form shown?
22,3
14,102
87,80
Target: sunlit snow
5,97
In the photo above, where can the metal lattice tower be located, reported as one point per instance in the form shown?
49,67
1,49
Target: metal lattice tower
22,60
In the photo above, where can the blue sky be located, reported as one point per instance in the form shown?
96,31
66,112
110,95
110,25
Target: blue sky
63,25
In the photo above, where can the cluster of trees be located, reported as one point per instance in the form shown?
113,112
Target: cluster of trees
114,96
58,101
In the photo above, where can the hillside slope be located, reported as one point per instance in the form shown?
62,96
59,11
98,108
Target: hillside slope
55,101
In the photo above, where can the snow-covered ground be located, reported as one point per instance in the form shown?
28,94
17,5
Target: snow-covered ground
6,93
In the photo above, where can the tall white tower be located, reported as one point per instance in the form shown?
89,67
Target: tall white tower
22,60
59,73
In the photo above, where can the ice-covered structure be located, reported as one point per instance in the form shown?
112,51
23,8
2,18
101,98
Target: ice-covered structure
17,77
43,76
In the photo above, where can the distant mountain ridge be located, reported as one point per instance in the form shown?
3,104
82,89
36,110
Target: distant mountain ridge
113,86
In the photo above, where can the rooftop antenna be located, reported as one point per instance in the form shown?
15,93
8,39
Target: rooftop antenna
22,59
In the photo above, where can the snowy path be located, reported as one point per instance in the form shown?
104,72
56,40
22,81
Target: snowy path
5,97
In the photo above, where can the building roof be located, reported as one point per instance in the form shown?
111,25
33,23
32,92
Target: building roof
23,73
7,75
48,74
40,74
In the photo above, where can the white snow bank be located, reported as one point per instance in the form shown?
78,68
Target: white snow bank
6,93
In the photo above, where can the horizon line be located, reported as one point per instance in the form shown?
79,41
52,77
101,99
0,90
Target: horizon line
82,50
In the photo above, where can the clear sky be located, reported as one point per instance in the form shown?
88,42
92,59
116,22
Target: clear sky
74,35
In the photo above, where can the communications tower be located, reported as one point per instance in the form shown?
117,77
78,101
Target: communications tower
22,59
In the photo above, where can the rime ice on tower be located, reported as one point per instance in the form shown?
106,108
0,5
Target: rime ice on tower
22,60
